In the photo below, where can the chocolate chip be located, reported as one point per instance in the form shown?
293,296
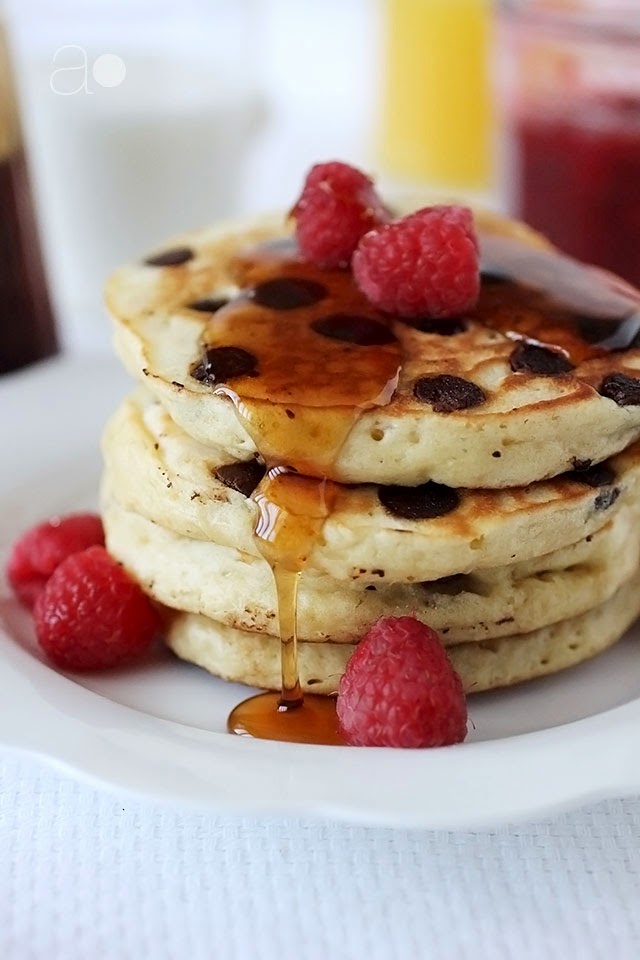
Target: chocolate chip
288,293
221,364
530,358
209,304
599,476
446,393
605,499
364,331
581,465
496,454
443,328
243,477
623,390
170,258
419,503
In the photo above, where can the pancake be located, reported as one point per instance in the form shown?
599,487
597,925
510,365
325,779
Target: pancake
543,373
155,469
255,660
237,589
481,473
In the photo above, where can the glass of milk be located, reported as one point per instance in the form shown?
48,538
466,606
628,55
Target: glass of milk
140,121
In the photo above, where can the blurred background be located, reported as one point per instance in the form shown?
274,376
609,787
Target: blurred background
139,119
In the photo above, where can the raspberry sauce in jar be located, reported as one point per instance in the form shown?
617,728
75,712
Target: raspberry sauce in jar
571,84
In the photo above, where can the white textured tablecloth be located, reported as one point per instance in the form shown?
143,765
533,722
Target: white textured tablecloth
87,875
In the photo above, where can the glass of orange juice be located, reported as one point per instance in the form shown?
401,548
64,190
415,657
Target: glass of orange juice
435,125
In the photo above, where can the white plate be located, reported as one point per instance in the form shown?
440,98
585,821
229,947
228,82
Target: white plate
158,729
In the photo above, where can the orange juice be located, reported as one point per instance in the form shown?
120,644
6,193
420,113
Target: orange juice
435,124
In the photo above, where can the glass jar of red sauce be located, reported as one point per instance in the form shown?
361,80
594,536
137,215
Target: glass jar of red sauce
571,85
27,329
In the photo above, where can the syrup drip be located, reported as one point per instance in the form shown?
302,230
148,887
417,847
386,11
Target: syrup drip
287,596
311,386
298,390
316,355
293,509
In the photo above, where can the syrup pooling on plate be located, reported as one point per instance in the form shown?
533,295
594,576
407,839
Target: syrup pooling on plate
262,717
302,354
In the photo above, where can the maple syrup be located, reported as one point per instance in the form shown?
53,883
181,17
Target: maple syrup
302,354
298,403
306,354
550,299
262,717
293,509
27,326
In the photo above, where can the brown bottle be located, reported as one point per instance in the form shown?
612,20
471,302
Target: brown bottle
27,329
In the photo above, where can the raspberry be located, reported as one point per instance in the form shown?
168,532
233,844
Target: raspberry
337,206
400,690
40,550
425,265
92,615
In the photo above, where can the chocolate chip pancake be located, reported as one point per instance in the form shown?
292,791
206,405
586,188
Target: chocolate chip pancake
246,345
237,589
255,660
299,463
373,534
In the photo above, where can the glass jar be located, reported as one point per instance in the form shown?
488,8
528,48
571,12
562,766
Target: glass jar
571,92
27,330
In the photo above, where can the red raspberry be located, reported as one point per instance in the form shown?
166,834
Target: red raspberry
423,265
91,614
40,550
400,690
337,206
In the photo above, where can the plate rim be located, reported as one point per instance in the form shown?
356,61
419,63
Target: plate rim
105,743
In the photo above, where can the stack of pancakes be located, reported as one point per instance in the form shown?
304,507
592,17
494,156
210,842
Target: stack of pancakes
492,492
